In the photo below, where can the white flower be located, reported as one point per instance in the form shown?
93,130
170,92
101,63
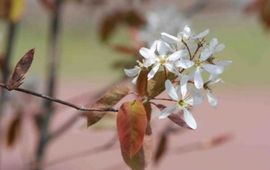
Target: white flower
185,35
165,57
212,100
134,72
212,48
182,103
167,19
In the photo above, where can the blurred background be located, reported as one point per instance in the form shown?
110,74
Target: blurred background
90,60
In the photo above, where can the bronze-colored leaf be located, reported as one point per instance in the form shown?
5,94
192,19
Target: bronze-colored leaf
177,119
141,84
108,100
137,161
125,50
49,4
131,126
13,130
157,84
20,70
111,22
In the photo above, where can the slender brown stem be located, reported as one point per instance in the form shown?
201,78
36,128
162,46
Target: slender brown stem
198,48
189,52
164,99
80,108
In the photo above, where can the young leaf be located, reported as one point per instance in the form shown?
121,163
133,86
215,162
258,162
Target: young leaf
137,161
131,127
20,70
141,84
13,130
110,98
177,119
157,84
49,4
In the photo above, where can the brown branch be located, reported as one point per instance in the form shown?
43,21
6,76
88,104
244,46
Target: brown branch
102,148
189,52
80,108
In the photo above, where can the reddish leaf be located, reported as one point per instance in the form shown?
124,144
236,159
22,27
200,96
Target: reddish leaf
13,130
49,4
135,162
263,9
20,70
141,84
125,50
110,98
111,22
177,119
131,127
157,84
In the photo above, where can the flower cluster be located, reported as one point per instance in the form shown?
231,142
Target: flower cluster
192,60
157,21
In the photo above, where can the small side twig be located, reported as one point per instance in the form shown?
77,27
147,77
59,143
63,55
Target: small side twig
80,108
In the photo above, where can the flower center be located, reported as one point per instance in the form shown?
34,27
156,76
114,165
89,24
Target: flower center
182,103
197,63
162,60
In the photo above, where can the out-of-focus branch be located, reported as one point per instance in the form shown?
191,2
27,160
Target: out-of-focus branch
104,147
205,144
12,29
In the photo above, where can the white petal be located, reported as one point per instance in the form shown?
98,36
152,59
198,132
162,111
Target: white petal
213,69
153,71
163,48
176,55
132,72
198,81
154,46
169,67
211,99
169,38
148,62
134,81
184,63
171,90
205,54
202,34
189,119
219,48
197,98
223,63
167,111
213,43
183,84
146,53
187,32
